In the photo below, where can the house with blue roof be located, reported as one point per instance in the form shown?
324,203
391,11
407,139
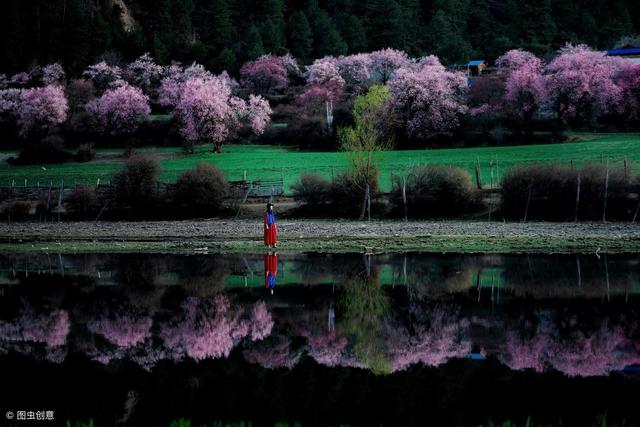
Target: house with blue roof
629,53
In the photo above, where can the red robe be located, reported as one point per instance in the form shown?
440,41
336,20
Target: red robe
270,269
270,232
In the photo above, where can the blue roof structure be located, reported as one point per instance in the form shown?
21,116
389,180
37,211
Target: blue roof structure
624,51
475,63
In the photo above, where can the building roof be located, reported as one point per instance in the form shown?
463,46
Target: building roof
475,63
624,51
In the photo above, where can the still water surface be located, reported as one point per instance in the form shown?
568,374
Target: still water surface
411,339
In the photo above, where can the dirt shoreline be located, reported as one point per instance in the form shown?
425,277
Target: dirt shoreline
307,235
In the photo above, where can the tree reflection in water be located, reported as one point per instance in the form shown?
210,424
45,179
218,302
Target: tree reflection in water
382,313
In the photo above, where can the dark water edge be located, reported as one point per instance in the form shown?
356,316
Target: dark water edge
401,339
458,393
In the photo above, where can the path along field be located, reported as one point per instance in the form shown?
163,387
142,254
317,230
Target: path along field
272,162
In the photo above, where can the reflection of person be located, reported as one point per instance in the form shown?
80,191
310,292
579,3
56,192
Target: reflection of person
270,229
270,270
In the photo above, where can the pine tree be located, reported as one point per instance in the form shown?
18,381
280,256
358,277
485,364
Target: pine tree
445,41
326,37
273,29
384,27
354,34
253,43
299,36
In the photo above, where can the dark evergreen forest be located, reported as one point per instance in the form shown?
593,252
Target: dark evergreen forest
222,34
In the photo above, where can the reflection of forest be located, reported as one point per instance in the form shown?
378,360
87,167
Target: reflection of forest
382,313
484,276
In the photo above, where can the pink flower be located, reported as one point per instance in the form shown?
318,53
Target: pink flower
119,110
50,328
581,82
265,75
430,99
41,108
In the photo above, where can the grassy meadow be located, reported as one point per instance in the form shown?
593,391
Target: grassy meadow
273,162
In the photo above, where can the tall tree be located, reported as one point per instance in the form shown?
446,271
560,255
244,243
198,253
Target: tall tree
299,36
327,40
273,28
355,34
384,24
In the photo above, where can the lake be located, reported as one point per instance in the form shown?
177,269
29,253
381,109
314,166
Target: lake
321,339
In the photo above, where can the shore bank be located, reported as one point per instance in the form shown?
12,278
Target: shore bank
317,235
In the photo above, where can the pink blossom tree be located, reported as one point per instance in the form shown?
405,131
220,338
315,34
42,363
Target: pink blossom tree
325,86
580,84
171,86
629,83
53,74
429,98
10,101
356,71
517,58
119,111
41,108
102,75
265,75
385,63
524,87
144,73
208,111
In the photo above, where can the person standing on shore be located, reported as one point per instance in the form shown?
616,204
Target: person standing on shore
270,229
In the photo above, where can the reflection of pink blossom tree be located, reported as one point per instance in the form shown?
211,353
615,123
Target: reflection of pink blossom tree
122,327
437,336
50,328
524,353
589,354
209,328
273,352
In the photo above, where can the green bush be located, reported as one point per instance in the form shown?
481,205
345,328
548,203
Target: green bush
348,190
85,153
311,189
48,150
83,200
136,184
434,191
202,190
548,192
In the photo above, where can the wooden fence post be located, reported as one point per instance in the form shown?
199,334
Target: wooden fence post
526,209
478,176
606,190
404,196
575,219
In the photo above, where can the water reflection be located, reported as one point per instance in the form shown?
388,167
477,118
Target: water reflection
270,270
572,313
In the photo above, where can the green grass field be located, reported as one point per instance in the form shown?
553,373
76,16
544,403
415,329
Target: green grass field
269,162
